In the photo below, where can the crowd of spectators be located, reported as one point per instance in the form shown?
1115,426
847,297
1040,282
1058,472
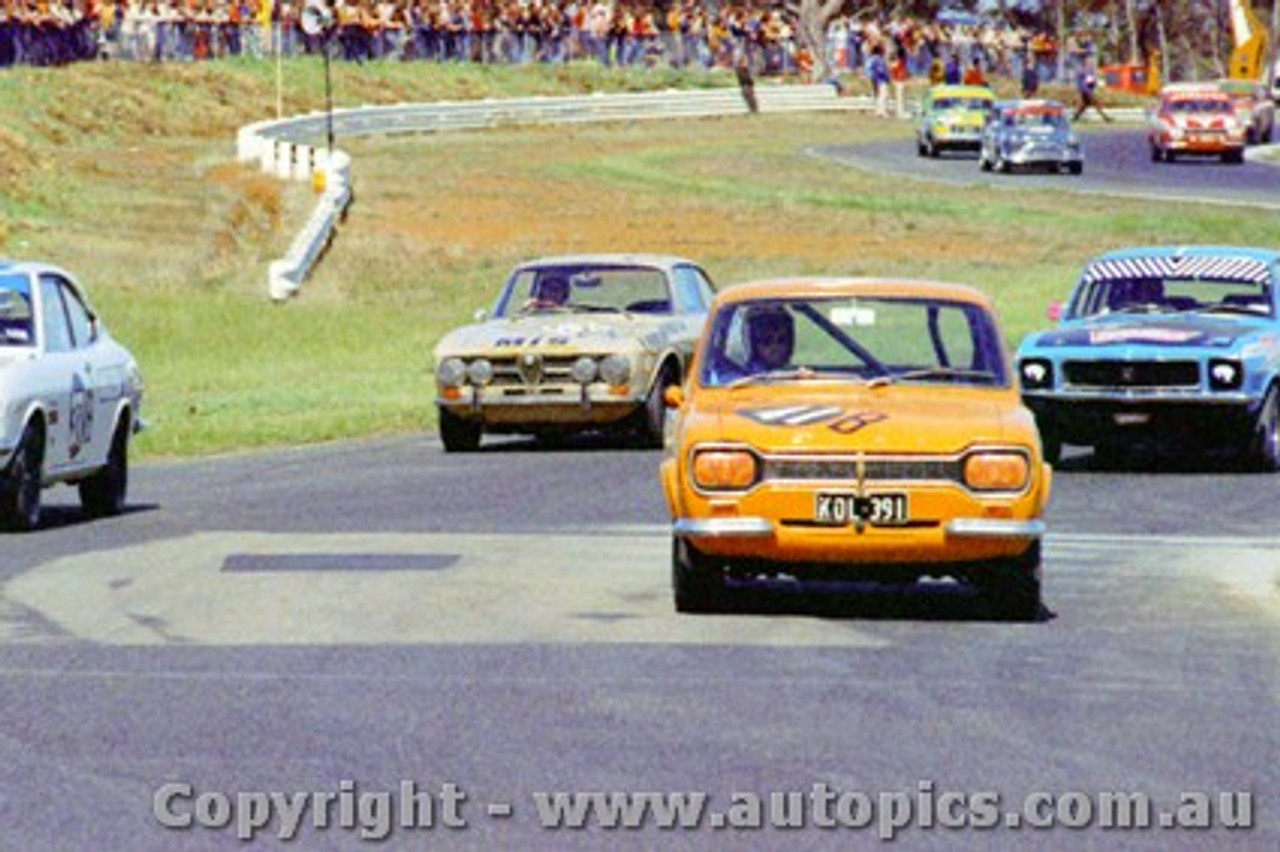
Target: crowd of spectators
624,32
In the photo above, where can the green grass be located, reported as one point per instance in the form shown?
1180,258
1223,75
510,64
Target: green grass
126,176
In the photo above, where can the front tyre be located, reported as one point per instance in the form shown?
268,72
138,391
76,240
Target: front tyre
103,494
458,434
21,483
1263,452
1013,586
696,581
654,414
1051,446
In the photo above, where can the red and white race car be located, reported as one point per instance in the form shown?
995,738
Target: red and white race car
1196,119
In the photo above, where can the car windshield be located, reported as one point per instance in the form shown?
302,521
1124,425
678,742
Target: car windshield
586,288
961,103
1170,294
1038,119
1200,105
878,340
15,311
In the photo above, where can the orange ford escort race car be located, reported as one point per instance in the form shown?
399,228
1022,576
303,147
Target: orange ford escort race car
853,427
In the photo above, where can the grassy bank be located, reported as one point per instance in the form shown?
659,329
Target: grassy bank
126,175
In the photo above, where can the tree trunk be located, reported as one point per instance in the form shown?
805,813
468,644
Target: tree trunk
812,17
1062,41
1166,58
1131,16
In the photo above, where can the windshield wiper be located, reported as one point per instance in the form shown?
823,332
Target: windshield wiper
1223,308
945,373
1143,308
808,374
595,309
788,374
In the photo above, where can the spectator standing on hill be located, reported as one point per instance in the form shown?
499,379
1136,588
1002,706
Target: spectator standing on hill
1030,77
974,76
1086,89
937,74
899,73
951,74
878,73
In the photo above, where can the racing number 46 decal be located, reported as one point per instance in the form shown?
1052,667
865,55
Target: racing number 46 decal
851,423
837,419
80,417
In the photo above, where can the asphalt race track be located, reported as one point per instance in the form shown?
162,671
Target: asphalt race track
1117,162
371,622
353,617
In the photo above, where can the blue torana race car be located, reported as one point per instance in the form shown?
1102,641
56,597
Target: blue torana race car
1165,347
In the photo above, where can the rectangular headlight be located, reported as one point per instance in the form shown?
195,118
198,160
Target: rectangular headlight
725,470
996,471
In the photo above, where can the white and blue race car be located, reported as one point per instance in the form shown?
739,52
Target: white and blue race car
69,396
1169,347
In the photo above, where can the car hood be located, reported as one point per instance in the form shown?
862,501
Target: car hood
1208,121
586,331
964,117
1038,134
1162,330
892,419
11,356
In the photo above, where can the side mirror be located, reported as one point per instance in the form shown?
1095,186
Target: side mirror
1054,312
480,315
673,397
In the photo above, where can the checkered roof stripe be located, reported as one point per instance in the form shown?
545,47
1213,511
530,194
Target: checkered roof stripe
1222,267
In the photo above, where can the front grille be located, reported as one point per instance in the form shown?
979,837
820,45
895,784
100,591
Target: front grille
1132,374
544,370
845,469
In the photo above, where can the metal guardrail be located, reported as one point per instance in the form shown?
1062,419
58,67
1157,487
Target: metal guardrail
285,147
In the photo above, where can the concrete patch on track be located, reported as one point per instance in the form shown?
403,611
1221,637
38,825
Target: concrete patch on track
1247,568
232,588
256,588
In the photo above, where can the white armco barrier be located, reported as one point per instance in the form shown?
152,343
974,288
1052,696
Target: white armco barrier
274,144
286,275
277,149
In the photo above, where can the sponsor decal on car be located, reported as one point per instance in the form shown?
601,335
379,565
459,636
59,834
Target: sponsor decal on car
1103,336
794,416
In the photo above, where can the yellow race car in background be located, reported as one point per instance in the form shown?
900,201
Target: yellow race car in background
857,428
952,118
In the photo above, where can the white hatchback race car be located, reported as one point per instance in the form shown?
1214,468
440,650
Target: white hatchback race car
69,396
574,343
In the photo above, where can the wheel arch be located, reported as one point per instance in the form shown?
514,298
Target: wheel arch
667,359
34,414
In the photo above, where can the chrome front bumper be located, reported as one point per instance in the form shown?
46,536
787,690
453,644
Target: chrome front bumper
763,528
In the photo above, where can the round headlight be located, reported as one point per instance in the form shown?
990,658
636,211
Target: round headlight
451,373
583,370
480,372
1036,373
1225,374
615,370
